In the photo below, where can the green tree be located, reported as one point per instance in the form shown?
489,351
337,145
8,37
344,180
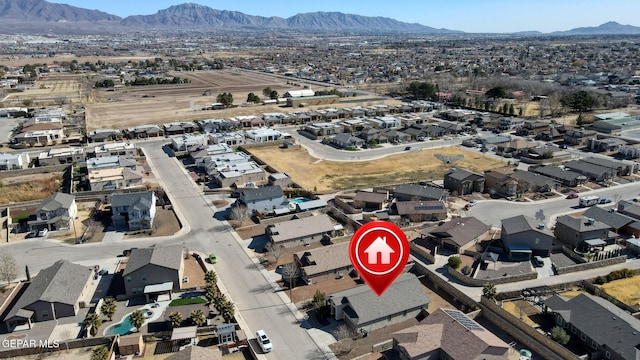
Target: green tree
253,98
197,317
454,262
100,353
227,311
175,318
559,335
210,277
8,267
210,293
512,110
137,319
109,307
319,301
267,91
580,101
422,90
93,322
273,95
497,92
489,290
225,99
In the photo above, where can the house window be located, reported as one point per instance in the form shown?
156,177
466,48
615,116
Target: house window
144,277
45,313
607,355
583,336
594,345
573,329
128,278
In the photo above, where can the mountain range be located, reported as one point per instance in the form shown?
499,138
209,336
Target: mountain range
36,16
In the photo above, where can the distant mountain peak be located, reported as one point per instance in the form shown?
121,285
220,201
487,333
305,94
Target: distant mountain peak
608,28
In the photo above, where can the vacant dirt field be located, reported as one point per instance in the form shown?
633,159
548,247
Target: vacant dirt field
50,91
327,176
625,290
29,187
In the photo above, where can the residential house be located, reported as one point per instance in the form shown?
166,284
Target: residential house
419,211
279,179
323,129
531,182
114,179
617,222
629,151
629,208
463,182
199,153
326,262
56,212
516,148
43,133
111,162
369,200
309,205
448,334
249,121
102,135
384,122
459,234
606,144
552,134
238,174
396,137
14,161
413,192
499,181
582,232
347,141
229,138
144,131
181,143
301,231
179,127
215,125
364,311
523,236
113,149
606,330
593,172
58,291
565,177
151,271
621,168
579,137
264,199
61,155
133,210
263,135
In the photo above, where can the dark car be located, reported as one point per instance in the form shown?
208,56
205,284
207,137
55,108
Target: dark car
572,196
605,201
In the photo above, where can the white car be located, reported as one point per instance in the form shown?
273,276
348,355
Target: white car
43,232
264,341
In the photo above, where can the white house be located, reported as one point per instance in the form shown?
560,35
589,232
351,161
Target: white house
299,93
42,133
230,138
120,148
384,122
13,161
263,134
629,151
55,212
181,143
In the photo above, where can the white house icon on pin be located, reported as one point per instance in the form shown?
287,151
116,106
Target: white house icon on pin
379,246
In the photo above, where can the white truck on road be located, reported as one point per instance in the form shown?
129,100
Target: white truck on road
590,200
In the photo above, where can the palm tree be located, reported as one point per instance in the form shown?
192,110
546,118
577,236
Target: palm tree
109,308
100,353
210,293
137,319
176,319
227,311
197,317
210,277
93,322
218,300
489,290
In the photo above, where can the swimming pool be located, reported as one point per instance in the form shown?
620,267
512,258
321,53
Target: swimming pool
122,328
298,200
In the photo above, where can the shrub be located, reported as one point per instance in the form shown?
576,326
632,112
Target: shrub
455,261
601,280
466,270
559,335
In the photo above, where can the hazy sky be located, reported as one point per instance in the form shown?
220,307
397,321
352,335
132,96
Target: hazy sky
465,15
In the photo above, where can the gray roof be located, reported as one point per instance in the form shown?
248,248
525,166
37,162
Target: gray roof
461,174
421,207
612,164
609,217
557,173
423,192
139,200
300,228
521,223
629,208
581,224
62,282
460,230
56,201
601,321
262,193
532,178
169,257
404,294
586,168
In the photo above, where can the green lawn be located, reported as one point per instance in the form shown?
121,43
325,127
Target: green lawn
189,301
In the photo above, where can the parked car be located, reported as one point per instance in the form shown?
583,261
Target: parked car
264,341
572,196
538,261
472,203
43,232
212,258
605,201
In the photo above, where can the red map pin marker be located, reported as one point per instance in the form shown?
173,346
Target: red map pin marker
379,251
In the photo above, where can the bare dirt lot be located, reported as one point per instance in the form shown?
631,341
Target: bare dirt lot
625,290
138,105
29,187
327,176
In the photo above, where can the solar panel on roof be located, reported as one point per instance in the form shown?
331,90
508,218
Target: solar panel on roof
464,320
